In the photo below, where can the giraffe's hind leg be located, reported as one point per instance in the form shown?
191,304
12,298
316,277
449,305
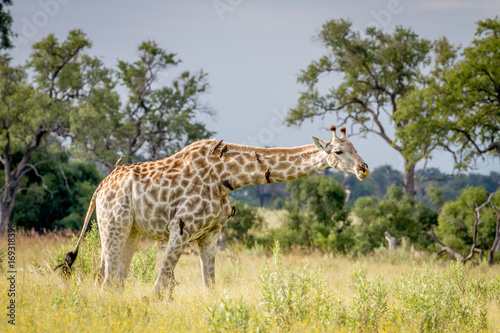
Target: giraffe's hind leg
100,274
119,230
128,252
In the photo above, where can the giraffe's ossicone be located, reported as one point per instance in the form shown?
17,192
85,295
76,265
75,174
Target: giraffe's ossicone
182,199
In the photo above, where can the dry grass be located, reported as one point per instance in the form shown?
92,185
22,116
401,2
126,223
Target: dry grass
48,303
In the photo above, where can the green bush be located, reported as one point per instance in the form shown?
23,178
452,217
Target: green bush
456,221
316,215
397,214
228,316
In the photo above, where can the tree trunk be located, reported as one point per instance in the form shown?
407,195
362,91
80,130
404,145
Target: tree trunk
409,180
6,207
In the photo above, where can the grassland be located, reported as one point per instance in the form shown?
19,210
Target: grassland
397,291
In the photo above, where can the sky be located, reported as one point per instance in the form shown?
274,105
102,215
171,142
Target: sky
252,51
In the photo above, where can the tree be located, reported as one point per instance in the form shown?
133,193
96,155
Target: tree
157,121
461,104
377,70
475,86
72,99
459,226
5,25
59,199
37,117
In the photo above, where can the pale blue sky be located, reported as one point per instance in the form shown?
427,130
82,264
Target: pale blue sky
251,50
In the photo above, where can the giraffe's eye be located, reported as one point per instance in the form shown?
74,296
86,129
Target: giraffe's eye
337,151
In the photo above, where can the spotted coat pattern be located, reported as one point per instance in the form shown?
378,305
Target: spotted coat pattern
182,199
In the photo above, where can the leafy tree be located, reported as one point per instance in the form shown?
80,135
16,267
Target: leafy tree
377,70
37,117
396,213
460,104
5,25
72,98
157,121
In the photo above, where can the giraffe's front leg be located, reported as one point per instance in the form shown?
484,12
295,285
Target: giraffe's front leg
208,248
177,242
208,245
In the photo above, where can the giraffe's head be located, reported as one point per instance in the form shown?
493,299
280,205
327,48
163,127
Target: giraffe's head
341,154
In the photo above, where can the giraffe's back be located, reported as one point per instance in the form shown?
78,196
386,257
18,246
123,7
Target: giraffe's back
152,193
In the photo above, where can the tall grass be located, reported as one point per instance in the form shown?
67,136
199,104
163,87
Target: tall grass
282,293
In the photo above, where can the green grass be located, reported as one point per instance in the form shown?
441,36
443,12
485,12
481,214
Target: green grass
403,291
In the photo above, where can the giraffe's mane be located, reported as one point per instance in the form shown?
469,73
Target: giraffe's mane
251,149
274,150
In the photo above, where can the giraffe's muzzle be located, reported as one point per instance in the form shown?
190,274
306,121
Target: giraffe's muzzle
362,171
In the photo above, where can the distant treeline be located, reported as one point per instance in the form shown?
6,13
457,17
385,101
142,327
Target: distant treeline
376,185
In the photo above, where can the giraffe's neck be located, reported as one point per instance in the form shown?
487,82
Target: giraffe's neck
249,166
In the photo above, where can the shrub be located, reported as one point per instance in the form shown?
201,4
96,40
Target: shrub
369,302
316,215
397,214
456,221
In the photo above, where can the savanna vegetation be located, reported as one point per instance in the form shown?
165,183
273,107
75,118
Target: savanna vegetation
308,255
404,290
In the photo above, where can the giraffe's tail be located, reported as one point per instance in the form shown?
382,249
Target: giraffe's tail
70,257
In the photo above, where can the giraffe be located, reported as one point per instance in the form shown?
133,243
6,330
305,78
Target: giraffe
182,199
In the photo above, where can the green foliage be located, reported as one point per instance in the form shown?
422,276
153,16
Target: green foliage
458,108
72,97
144,263
37,111
316,215
456,221
158,121
243,226
5,25
60,199
377,71
399,215
89,253
369,302
226,315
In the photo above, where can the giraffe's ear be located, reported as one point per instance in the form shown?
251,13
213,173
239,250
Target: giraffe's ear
321,145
